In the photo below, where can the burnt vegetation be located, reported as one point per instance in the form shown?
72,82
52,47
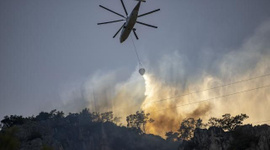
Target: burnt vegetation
94,130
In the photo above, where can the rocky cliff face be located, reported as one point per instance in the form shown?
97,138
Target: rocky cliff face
242,138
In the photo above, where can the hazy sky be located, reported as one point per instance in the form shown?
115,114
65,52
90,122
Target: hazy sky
47,46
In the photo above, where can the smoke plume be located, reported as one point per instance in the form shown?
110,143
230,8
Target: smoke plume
170,93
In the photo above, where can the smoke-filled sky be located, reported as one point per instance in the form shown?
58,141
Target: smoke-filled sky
53,55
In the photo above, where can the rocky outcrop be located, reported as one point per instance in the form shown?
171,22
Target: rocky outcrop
242,138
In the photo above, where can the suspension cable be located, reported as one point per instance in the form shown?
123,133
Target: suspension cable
135,49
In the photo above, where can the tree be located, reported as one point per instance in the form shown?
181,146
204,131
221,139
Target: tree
59,114
138,120
116,120
213,122
107,116
188,126
85,117
96,117
12,120
43,116
172,136
227,122
73,118
199,124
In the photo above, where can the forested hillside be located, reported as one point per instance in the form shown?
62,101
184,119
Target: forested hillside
102,131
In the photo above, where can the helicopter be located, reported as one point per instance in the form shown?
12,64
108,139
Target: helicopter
130,20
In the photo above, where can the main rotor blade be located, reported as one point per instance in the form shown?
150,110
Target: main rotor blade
134,31
146,24
124,7
148,13
110,21
118,31
111,11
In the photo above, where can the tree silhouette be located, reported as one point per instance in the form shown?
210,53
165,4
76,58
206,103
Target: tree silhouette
172,136
227,122
12,120
85,117
138,120
188,127
59,114
43,116
107,116
116,120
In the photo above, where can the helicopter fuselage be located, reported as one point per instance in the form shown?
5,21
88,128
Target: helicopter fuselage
130,22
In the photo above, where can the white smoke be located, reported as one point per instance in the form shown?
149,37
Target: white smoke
171,78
